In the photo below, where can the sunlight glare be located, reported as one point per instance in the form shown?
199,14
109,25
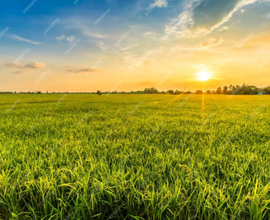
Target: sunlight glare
203,76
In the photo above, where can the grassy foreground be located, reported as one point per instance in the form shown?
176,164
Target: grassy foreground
134,157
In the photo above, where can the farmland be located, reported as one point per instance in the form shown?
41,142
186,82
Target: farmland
81,156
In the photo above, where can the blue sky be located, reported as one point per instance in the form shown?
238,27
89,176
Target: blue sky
85,45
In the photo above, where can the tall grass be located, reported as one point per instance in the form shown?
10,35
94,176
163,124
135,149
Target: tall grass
134,157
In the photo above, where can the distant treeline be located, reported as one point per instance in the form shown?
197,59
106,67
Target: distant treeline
226,90
39,92
6,92
151,90
238,90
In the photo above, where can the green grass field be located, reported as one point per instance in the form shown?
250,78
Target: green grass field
134,157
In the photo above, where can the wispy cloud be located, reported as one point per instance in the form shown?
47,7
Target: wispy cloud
202,17
62,37
71,39
96,35
84,70
88,29
15,65
91,32
102,46
18,72
212,42
34,65
129,47
24,39
224,28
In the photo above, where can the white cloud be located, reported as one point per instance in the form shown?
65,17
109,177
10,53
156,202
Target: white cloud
156,4
71,39
25,40
224,28
60,37
159,4
180,28
187,25
238,6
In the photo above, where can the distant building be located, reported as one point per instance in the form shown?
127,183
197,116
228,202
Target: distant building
261,93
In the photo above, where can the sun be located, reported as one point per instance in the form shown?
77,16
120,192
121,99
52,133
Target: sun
203,76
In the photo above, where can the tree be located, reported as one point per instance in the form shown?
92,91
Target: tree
225,89
199,92
208,92
170,92
219,90
250,90
239,90
177,92
150,90
267,90
99,92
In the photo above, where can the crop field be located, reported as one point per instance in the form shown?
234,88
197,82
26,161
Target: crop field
84,156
